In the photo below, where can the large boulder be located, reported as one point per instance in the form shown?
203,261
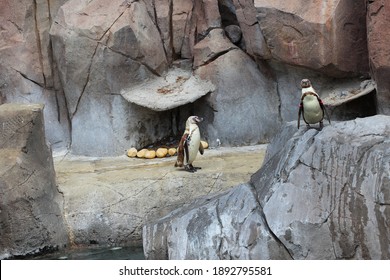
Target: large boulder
319,195
325,194
225,226
30,204
326,36
378,18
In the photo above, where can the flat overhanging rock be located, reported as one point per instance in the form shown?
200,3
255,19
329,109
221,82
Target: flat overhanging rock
178,87
338,98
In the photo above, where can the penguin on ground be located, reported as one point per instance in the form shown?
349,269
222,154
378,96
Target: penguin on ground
311,107
189,145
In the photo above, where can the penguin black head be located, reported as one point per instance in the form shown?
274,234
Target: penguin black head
305,83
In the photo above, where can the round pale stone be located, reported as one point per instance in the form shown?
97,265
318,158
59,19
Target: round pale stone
132,152
141,153
161,152
149,154
172,151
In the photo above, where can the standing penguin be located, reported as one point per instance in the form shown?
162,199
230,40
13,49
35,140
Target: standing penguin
189,144
311,106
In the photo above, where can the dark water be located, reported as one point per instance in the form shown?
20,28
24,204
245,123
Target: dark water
111,253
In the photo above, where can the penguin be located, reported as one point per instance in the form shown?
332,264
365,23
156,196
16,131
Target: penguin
189,145
311,106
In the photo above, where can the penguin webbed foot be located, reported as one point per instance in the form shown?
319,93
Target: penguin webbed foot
191,168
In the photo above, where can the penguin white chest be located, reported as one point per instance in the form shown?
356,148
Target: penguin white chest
193,145
312,111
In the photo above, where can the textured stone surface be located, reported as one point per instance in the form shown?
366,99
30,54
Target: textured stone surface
27,71
234,33
378,18
328,36
255,43
319,195
77,57
227,226
325,194
241,111
174,89
101,50
30,203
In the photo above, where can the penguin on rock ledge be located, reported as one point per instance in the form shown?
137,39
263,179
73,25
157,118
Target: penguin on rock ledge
311,106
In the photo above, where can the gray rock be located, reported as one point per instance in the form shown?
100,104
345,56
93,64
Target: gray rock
319,195
329,37
101,50
30,206
324,194
27,71
175,88
243,110
253,37
226,226
214,45
378,17
234,33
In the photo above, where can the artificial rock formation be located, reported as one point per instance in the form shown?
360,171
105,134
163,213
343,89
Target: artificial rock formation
319,195
227,226
27,71
378,18
101,49
327,36
30,203
328,196
108,200
92,62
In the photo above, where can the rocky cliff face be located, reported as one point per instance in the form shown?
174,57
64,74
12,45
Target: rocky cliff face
378,18
319,195
84,60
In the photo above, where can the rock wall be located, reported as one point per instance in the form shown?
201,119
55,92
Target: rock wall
327,36
378,18
30,203
28,71
319,195
79,58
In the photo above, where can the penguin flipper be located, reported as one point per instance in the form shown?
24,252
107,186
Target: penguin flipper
201,149
299,113
180,151
185,145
